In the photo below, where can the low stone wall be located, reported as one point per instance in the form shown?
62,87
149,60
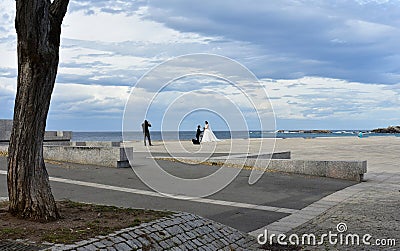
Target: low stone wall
3,148
97,143
275,155
92,155
6,128
348,170
85,143
57,136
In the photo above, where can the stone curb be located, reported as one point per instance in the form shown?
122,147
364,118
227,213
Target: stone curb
181,231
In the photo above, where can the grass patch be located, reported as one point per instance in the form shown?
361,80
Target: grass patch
10,231
79,221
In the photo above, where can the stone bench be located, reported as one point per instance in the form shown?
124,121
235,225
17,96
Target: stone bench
349,170
275,155
6,128
97,143
50,137
92,155
57,135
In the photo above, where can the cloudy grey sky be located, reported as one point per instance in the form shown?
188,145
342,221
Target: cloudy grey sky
324,64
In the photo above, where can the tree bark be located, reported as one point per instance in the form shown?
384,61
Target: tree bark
38,26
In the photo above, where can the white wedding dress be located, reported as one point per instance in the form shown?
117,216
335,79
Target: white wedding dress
208,135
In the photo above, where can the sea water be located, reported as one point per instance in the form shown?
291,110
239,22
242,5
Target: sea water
188,135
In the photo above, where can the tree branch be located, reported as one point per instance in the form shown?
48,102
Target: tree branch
58,8
57,11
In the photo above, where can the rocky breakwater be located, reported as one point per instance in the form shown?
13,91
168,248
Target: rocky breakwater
390,129
317,131
305,131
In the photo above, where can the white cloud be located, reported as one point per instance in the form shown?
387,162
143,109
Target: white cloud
345,39
118,27
359,31
7,96
82,100
8,86
323,98
318,60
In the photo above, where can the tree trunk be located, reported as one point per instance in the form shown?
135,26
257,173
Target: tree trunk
38,26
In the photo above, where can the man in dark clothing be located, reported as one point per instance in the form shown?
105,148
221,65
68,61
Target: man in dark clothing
146,132
198,133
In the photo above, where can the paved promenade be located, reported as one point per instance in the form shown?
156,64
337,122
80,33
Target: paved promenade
279,203
367,208
373,211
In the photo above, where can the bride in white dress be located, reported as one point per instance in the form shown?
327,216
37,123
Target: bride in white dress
208,135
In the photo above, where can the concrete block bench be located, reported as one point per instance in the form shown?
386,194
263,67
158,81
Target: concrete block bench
348,170
57,136
92,155
97,143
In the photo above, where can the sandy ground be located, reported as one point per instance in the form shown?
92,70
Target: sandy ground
381,153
